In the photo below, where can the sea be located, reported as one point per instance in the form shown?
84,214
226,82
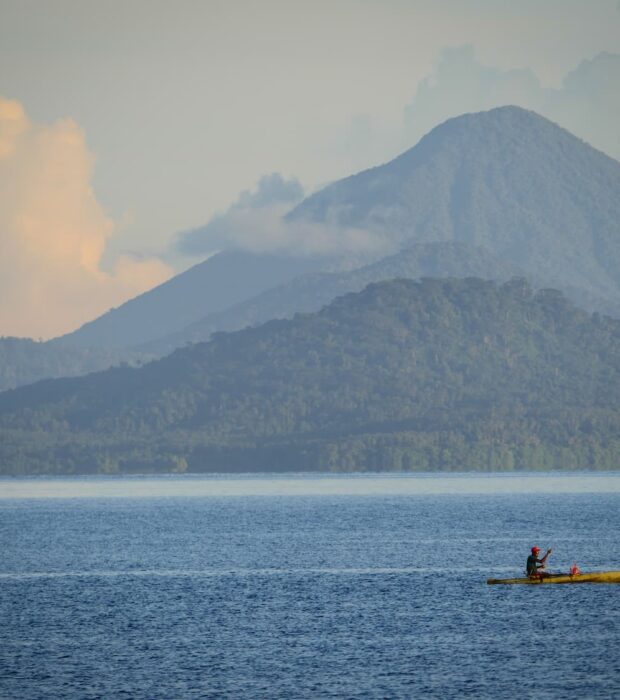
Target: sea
356,586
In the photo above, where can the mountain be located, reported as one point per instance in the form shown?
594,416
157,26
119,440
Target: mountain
312,291
436,374
508,180
506,185
211,286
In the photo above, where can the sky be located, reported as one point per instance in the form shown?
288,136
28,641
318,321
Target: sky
139,136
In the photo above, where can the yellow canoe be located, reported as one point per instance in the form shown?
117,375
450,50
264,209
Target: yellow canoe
592,577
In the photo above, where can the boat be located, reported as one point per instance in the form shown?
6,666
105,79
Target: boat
592,577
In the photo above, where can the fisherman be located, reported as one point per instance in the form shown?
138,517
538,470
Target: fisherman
535,565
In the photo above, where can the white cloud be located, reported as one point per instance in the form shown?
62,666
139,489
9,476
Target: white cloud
266,230
273,196
256,222
53,232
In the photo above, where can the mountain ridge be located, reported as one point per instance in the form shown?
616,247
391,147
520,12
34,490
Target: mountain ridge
433,374
312,291
225,278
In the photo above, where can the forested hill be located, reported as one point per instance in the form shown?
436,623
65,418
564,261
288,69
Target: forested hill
436,374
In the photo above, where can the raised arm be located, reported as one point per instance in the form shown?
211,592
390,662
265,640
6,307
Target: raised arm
544,559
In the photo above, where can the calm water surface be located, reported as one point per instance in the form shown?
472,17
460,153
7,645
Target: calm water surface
360,587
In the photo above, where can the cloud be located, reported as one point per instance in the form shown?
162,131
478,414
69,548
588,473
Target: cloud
53,232
273,196
459,83
587,103
266,230
256,222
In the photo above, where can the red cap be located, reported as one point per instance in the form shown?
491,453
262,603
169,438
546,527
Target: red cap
535,549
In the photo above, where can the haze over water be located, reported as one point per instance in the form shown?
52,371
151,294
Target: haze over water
306,485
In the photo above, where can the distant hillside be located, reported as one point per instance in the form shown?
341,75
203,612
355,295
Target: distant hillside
313,291
211,286
508,180
24,361
437,374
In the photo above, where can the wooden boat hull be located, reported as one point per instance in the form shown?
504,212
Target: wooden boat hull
593,577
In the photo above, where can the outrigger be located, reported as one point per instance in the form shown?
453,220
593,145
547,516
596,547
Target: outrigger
592,577
535,573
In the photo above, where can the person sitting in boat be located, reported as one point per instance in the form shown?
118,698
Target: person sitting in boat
535,566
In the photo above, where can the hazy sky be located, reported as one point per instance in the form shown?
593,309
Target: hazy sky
123,123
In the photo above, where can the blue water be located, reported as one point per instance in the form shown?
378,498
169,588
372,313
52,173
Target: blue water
294,596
